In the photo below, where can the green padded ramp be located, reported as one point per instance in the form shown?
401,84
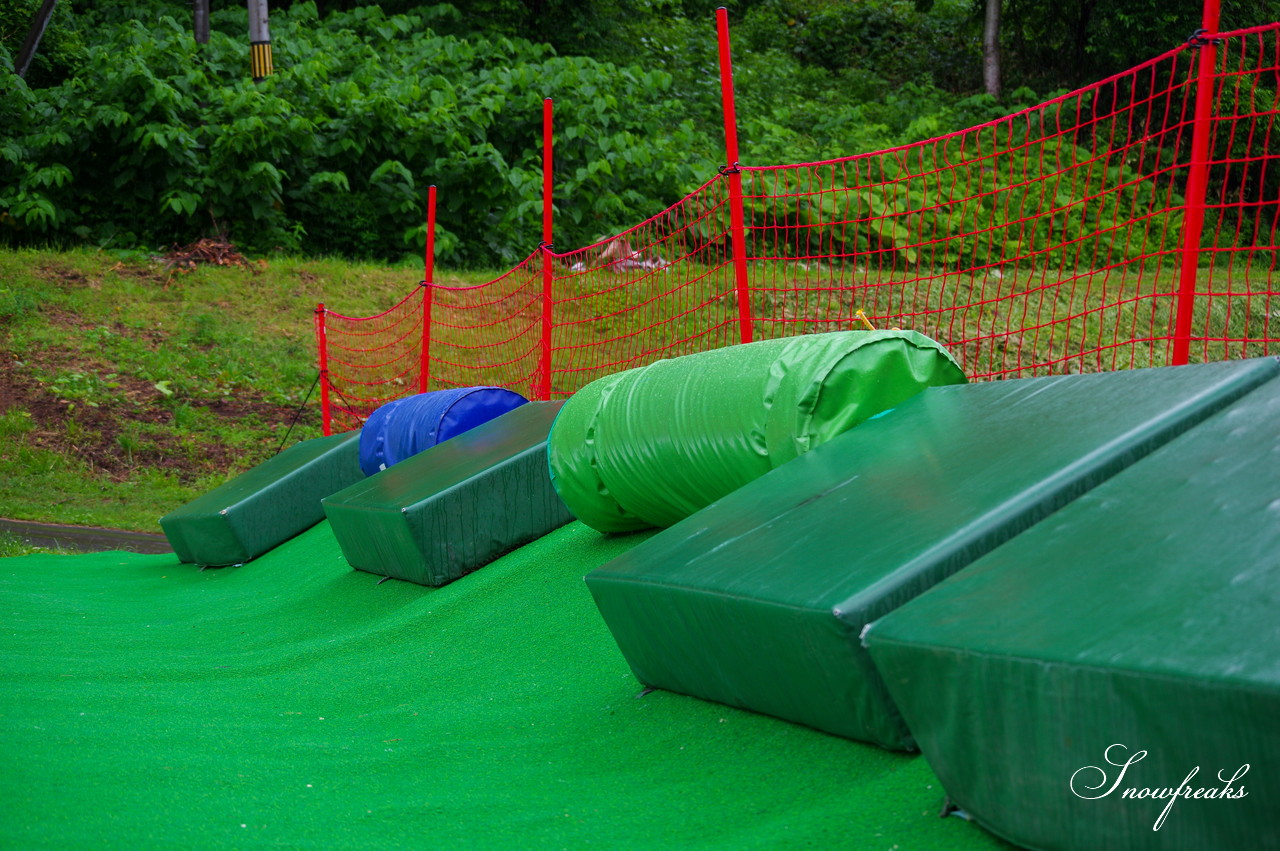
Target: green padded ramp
445,512
1145,615
266,506
758,600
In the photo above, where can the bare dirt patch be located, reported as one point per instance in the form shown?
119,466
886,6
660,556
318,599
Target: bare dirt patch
55,315
136,426
67,276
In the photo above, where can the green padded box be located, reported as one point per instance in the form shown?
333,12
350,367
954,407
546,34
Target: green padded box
266,506
758,601
457,506
1141,622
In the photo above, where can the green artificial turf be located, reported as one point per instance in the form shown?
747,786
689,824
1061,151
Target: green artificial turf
295,702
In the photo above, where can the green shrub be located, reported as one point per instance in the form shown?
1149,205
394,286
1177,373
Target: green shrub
152,139
157,140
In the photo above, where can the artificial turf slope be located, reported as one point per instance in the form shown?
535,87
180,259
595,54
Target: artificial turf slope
295,702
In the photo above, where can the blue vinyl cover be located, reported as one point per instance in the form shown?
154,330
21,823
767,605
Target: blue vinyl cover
404,427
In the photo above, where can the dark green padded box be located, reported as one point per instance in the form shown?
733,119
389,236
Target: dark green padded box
759,600
1140,622
266,506
455,507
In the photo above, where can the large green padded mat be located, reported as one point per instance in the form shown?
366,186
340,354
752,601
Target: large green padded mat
1144,616
456,506
758,601
266,506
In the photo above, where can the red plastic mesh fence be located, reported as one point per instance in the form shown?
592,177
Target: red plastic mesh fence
1049,241
1046,241
1237,309
661,289
491,333
368,360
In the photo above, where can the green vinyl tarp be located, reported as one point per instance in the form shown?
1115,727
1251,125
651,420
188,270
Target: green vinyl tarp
759,600
650,446
263,507
1125,650
452,508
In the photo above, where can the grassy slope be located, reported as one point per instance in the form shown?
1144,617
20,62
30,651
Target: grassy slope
126,389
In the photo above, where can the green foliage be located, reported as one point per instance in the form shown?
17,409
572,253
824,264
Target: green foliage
1074,42
155,140
16,303
15,423
1242,189
145,138
85,387
896,39
11,545
61,48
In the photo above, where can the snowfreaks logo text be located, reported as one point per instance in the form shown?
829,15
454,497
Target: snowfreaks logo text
1108,781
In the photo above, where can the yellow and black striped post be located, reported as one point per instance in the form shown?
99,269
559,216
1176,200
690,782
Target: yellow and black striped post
260,59
259,41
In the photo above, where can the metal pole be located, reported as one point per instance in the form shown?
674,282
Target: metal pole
424,373
1197,184
544,367
259,41
322,344
736,227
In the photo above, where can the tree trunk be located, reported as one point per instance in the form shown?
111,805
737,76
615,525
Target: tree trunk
39,23
200,26
991,49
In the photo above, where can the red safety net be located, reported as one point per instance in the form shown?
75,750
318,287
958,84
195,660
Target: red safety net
661,289
366,361
489,334
1046,241
1071,237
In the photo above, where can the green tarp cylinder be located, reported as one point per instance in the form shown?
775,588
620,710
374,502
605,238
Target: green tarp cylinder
650,446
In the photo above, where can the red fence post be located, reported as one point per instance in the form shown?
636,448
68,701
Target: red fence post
322,344
424,371
1197,184
736,227
544,367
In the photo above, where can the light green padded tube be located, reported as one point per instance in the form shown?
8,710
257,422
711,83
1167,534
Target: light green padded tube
652,445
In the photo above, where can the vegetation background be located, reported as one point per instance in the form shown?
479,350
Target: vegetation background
128,133
128,385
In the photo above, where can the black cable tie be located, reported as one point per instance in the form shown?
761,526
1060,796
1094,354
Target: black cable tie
546,245
1198,39
425,284
729,169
